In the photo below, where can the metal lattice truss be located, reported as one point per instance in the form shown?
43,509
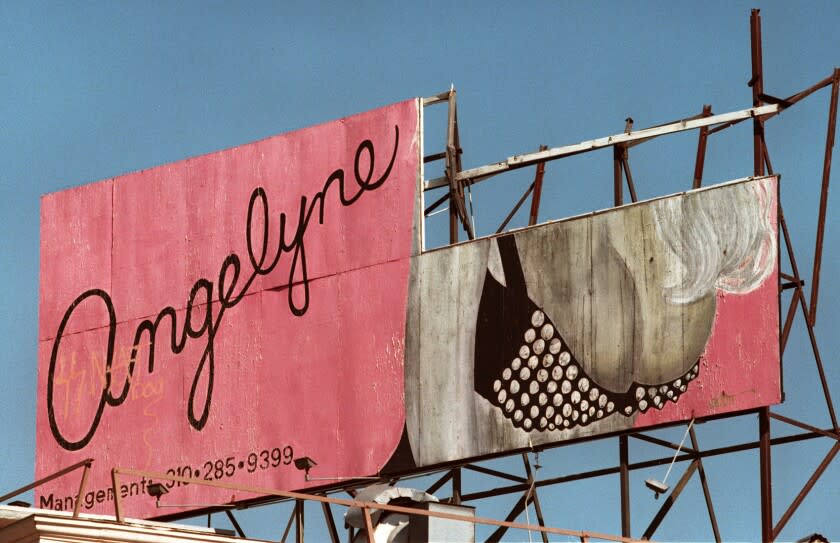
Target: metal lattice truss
455,186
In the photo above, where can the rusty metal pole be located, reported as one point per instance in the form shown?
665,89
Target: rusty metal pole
515,511
298,521
466,219
440,482
618,198
706,494
115,484
535,197
456,486
288,525
757,84
701,150
534,497
330,522
82,485
764,474
791,313
368,525
829,145
624,477
806,489
515,208
625,163
237,527
798,294
454,196
669,501
47,479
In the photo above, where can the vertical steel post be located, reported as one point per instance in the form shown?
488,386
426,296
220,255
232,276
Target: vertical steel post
757,84
368,525
618,197
624,477
765,474
454,196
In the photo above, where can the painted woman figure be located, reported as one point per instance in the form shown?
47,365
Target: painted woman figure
580,326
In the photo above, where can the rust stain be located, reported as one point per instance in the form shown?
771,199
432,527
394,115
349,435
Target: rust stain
724,400
721,400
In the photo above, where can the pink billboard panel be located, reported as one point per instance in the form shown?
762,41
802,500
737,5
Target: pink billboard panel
218,317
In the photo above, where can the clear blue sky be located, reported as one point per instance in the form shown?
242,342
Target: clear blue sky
90,90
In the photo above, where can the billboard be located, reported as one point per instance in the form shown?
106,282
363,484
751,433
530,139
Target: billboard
219,317
640,315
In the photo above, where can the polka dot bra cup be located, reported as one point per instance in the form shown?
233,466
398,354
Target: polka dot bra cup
524,367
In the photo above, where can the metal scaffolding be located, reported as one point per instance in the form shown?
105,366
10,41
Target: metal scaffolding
454,189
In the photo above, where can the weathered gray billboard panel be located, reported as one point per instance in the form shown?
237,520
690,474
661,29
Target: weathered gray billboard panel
645,314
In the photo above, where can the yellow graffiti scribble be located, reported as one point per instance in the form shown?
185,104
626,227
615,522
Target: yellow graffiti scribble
78,384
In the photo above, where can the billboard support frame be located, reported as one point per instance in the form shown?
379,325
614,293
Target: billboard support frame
366,506
759,152
624,483
85,464
764,107
706,123
457,180
709,124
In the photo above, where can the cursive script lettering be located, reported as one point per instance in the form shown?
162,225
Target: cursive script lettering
202,316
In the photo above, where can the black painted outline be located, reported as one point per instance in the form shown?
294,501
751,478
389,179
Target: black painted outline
226,298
